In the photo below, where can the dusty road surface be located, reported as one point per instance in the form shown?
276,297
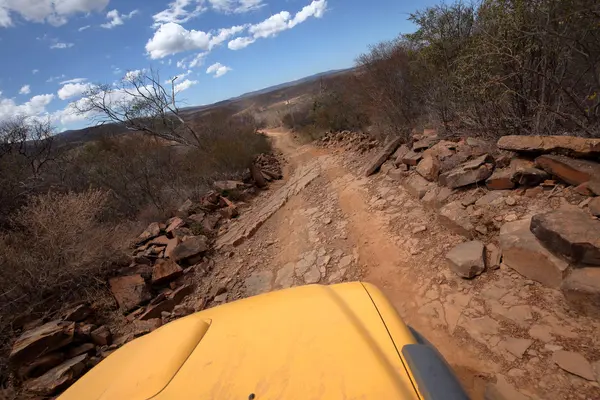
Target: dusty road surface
326,223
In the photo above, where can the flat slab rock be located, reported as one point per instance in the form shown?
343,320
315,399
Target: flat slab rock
129,291
570,233
574,363
382,156
58,378
189,249
569,145
471,172
454,216
41,340
467,259
522,252
570,170
417,185
582,290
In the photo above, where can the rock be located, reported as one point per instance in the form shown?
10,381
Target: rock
171,246
436,196
197,218
471,172
417,185
41,340
83,331
467,259
412,158
594,185
229,212
502,390
569,145
141,327
85,348
529,176
574,363
583,190
222,298
572,171
40,365
190,249
154,310
209,223
399,154
184,210
285,276
257,176
516,346
387,167
77,313
102,336
174,223
58,378
493,256
258,282
419,229
429,168
534,192
455,217
582,290
510,201
129,291
493,198
165,271
382,156
483,230
152,231
425,143
182,311
313,275
397,174
570,233
522,252
501,179
594,206
227,186
179,294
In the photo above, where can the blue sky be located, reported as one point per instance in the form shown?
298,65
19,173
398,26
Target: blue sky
53,49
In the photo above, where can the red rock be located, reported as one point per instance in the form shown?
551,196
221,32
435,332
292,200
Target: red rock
425,143
582,290
152,231
185,209
569,145
534,192
175,223
583,189
85,348
144,327
226,186
429,168
417,185
399,154
41,340
181,293
40,365
155,310
574,363
464,175
159,241
191,248
594,206
570,170
83,331
77,313
165,271
257,176
501,179
129,291
467,259
102,336
58,378
382,156
412,158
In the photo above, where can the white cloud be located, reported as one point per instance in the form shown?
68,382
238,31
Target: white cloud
35,71
61,45
72,90
178,13
74,80
277,23
198,60
180,87
236,6
55,78
225,33
54,12
36,106
218,70
26,89
83,28
131,75
116,19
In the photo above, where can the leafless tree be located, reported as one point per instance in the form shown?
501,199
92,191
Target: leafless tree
31,138
140,103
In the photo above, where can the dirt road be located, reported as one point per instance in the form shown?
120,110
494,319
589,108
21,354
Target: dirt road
326,224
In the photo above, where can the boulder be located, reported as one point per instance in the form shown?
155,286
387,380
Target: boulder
568,145
382,156
129,291
571,233
77,313
399,154
468,173
501,179
190,249
493,256
164,271
58,378
143,327
522,252
40,365
417,185
152,231
412,158
594,206
574,363
456,217
41,340
467,259
570,170
582,290
429,168
102,336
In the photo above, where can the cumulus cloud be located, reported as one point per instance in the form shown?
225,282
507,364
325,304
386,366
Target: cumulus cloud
236,6
217,70
131,75
26,89
74,80
116,19
197,61
277,23
180,87
61,45
179,12
72,90
36,106
54,12
83,28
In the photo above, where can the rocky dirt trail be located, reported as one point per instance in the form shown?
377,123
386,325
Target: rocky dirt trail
326,223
